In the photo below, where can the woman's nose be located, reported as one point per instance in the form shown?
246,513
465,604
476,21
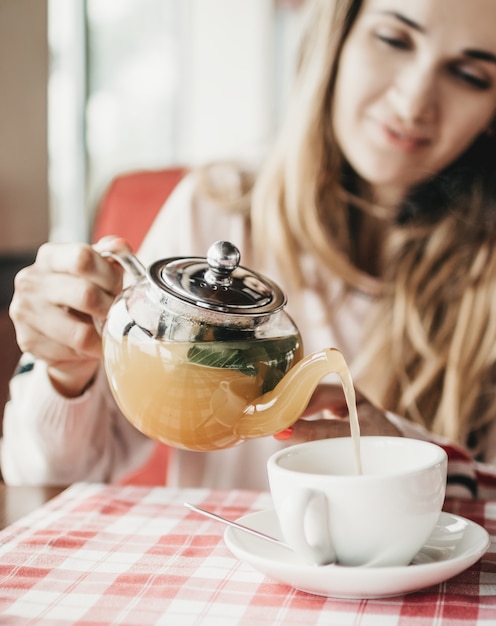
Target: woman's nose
413,95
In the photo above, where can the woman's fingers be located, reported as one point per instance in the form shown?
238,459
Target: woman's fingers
79,260
55,304
329,400
63,336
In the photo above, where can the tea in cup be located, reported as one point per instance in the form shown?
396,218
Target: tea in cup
382,517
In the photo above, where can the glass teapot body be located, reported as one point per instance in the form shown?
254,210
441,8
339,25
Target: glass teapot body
184,374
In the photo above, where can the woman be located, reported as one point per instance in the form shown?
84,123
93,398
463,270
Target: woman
376,212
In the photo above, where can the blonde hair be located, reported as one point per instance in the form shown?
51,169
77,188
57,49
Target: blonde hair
430,351
298,197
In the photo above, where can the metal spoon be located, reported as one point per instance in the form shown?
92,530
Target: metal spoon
229,522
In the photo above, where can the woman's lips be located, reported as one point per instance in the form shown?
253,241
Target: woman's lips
401,139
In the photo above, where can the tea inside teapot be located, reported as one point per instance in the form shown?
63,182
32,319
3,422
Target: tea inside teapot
200,354
189,396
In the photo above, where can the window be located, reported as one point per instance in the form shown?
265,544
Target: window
141,84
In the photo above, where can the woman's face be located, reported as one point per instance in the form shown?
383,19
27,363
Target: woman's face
416,85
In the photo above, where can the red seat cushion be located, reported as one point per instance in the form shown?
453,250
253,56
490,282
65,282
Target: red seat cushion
131,203
153,473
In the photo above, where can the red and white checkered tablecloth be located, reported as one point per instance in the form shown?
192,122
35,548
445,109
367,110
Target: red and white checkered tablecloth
101,555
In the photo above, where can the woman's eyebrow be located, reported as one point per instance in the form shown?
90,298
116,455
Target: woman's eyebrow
473,53
404,19
481,55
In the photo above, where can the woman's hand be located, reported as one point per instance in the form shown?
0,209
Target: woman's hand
372,420
54,306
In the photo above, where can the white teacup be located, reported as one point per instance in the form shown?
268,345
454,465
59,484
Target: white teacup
329,513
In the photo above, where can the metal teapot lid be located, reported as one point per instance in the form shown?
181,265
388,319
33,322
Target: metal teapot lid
217,282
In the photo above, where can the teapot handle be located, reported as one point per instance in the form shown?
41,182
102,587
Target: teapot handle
127,260
119,250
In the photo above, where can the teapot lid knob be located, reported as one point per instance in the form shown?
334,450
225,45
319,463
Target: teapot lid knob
222,258
217,282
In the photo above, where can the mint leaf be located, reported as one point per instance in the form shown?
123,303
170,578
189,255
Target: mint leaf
270,357
216,355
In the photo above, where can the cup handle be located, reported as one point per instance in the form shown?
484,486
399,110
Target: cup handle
319,550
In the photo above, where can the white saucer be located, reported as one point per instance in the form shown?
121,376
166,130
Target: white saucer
455,544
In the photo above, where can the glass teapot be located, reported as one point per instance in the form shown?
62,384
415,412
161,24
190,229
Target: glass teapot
200,353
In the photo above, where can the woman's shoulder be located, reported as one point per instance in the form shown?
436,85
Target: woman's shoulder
210,203
226,184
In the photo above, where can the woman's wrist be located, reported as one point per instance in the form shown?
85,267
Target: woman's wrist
74,380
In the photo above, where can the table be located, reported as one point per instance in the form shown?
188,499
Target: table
100,554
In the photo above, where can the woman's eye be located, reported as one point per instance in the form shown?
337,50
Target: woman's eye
394,42
472,79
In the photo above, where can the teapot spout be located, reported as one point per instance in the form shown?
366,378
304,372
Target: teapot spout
281,407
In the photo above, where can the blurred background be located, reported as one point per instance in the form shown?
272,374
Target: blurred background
96,88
